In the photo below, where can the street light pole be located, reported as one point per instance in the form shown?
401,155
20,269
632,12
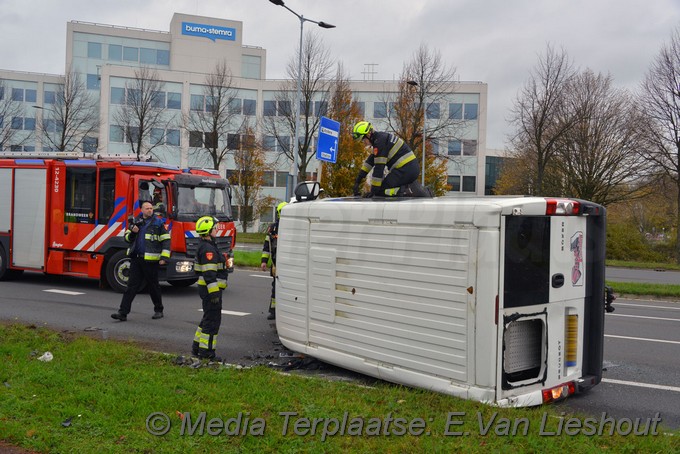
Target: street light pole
298,94
413,83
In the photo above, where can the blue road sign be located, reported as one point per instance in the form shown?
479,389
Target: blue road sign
327,146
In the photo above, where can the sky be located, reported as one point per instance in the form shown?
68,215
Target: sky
497,42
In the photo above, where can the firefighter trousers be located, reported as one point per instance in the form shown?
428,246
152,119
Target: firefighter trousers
205,338
142,271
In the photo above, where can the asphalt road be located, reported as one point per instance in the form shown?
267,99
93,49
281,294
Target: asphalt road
647,276
642,339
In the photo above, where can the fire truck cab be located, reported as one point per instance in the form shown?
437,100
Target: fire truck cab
68,216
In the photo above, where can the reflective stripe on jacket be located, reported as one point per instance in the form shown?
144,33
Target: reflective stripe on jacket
156,240
388,151
210,266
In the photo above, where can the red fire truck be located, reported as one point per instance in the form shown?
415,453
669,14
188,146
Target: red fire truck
67,216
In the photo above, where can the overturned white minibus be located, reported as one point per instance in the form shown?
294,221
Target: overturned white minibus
496,299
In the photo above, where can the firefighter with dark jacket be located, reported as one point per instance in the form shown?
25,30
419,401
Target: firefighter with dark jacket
269,253
211,268
149,247
388,151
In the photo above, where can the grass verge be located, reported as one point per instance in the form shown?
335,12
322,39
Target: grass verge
109,396
643,289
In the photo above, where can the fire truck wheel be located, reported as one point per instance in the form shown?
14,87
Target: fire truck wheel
118,271
5,274
183,282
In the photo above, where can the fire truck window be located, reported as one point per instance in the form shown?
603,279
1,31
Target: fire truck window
148,192
80,195
107,194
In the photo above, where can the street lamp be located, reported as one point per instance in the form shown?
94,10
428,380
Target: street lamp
413,83
298,95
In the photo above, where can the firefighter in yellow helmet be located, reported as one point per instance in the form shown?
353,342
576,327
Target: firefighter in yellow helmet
387,151
211,268
269,253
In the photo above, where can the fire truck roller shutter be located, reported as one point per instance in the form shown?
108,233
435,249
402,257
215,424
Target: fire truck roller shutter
30,197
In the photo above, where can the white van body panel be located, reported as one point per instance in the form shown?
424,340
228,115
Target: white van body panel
407,291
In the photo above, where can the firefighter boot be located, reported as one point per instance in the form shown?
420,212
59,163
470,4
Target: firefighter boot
119,316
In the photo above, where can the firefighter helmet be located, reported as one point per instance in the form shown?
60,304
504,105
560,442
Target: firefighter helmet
361,129
205,224
279,207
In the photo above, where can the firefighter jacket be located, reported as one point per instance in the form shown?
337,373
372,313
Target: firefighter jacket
156,243
269,246
388,150
211,266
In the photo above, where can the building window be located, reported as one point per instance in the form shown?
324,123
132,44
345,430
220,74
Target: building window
196,139
470,111
249,107
49,97
233,141
455,111
147,56
285,109
172,137
210,140
94,50
235,106
197,103
157,136
115,52
270,108
174,100
17,94
469,148
158,99
17,123
117,95
269,143
281,179
433,110
379,110
29,124
455,147
131,54
90,144
163,57
268,178
469,183
321,108
93,82
31,95
116,134
454,182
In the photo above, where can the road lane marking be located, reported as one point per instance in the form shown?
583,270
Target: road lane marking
645,316
643,339
647,306
642,385
238,314
63,292
261,275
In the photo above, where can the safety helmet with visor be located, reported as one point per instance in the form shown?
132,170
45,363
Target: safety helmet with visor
205,224
361,130
279,207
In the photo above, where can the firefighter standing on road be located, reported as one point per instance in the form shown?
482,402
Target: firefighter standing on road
211,268
269,252
388,151
150,246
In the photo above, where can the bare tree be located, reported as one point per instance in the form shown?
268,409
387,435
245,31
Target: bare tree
213,120
541,114
250,166
317,67
72,117
9,109
338,178
425,88
660,94
143,112
598,157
